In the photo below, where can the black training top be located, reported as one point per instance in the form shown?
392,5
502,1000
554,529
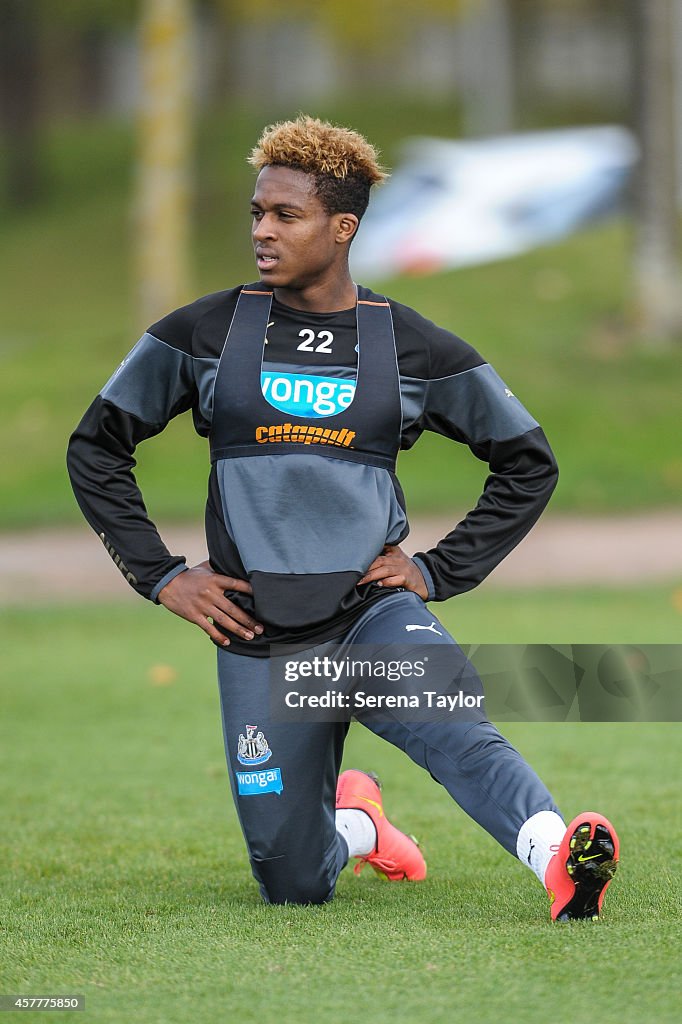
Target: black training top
305,499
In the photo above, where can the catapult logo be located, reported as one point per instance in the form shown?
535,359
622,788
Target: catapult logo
307,396
288,433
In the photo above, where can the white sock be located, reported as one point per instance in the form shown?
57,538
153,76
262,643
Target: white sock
538,840
357,828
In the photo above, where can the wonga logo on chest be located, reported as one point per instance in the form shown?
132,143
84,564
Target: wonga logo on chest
308,396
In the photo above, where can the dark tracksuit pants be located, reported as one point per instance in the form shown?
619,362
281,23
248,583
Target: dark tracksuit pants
296,854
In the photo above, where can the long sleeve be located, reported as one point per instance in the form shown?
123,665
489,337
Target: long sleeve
523,477
475,407
154,383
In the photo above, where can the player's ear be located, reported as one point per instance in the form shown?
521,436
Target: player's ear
347,225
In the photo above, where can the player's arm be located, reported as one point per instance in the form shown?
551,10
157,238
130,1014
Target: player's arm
100,461
154,383
447,387
475,407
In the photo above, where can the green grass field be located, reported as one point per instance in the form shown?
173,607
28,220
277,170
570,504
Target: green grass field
122,870
124,876
551,322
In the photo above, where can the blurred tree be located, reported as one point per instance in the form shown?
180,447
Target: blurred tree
28,29
368,31
656,259
357,23
489,102
20,99
164,162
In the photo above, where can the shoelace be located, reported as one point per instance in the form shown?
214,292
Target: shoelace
378,864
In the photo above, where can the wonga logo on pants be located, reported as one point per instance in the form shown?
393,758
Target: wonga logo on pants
307,396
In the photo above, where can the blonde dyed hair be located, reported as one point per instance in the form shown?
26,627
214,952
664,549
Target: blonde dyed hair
318,147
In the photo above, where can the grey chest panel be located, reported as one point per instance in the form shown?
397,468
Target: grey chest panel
308,514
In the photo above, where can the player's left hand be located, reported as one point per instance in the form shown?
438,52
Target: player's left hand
393,568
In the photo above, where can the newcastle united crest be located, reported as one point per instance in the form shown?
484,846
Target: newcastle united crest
253,749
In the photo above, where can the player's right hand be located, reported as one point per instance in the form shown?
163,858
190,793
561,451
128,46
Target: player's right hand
198,596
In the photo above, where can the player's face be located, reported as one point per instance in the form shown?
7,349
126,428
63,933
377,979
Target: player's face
296,242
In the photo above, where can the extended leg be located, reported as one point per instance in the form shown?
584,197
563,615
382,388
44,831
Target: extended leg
487,777
480,769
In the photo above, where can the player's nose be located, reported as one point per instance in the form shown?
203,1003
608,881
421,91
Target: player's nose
264,228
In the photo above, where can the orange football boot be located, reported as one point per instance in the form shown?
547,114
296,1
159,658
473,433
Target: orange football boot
396,857
579,873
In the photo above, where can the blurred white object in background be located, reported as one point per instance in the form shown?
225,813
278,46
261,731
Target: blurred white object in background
459,203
